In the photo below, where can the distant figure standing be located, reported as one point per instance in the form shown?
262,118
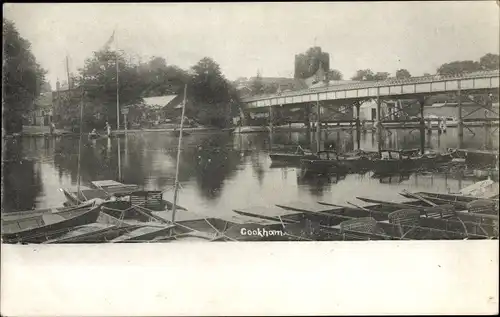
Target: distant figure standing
440,125
429,125
52,128
108,129
444,125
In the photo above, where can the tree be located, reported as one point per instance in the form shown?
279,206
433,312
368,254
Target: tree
23,78
335,74
368,75
490,62
157,78
403,74
458,68
256,85
381,76
98,80
213,98
308,63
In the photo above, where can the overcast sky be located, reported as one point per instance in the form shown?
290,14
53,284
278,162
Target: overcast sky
246,37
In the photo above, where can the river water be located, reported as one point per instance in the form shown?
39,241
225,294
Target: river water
218,172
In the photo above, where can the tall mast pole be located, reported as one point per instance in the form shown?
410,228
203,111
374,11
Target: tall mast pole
80,140
117,87
176,184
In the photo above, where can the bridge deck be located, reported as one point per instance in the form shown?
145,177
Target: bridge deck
391,87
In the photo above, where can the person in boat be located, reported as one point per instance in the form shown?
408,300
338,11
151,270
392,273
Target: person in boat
108,129
93,134
300,150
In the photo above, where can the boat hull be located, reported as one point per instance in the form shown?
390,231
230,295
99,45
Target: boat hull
47,231
323,167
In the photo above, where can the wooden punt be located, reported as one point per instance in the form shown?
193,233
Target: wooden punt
125,204
93,233
438,198
330,162
398,161
440,221
289,158
99,190
144,233
452,218
8,216
41,227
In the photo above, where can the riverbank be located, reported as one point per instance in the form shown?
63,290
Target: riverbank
294,127
45,131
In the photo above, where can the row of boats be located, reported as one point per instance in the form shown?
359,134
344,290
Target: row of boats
383,162
111,212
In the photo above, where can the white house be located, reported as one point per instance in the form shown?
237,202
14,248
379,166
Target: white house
160,107
368,110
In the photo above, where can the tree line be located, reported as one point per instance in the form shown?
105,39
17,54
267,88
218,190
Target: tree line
308,63
211,99
23,78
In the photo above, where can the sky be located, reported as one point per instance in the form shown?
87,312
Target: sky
248,37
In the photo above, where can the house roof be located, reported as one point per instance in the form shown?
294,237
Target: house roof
159,101
334,83
295,84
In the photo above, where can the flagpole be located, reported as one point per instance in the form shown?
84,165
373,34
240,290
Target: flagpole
117,87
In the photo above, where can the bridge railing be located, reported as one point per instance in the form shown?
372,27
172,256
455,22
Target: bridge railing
374,84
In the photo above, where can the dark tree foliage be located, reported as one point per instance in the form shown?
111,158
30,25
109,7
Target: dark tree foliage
458,68
335,74
403,74
22,80
212,99
487,62
368,75
308,63
490,62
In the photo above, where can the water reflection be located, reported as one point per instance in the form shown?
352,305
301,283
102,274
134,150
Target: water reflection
218,172
21,178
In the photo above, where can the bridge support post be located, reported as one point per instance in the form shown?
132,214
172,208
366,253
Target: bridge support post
422,125
271,127
358,125
318,124
459,106
379,122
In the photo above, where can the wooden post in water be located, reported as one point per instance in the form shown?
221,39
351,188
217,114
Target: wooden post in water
119,159
318,124
422,126
379,122
460,117
358,125
271,126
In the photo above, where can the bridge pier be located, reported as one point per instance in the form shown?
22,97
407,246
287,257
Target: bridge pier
379,122
459,105
422,125
318,124
358,125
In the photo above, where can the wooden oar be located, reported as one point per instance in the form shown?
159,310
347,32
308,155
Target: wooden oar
387,203
419,198
359,207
